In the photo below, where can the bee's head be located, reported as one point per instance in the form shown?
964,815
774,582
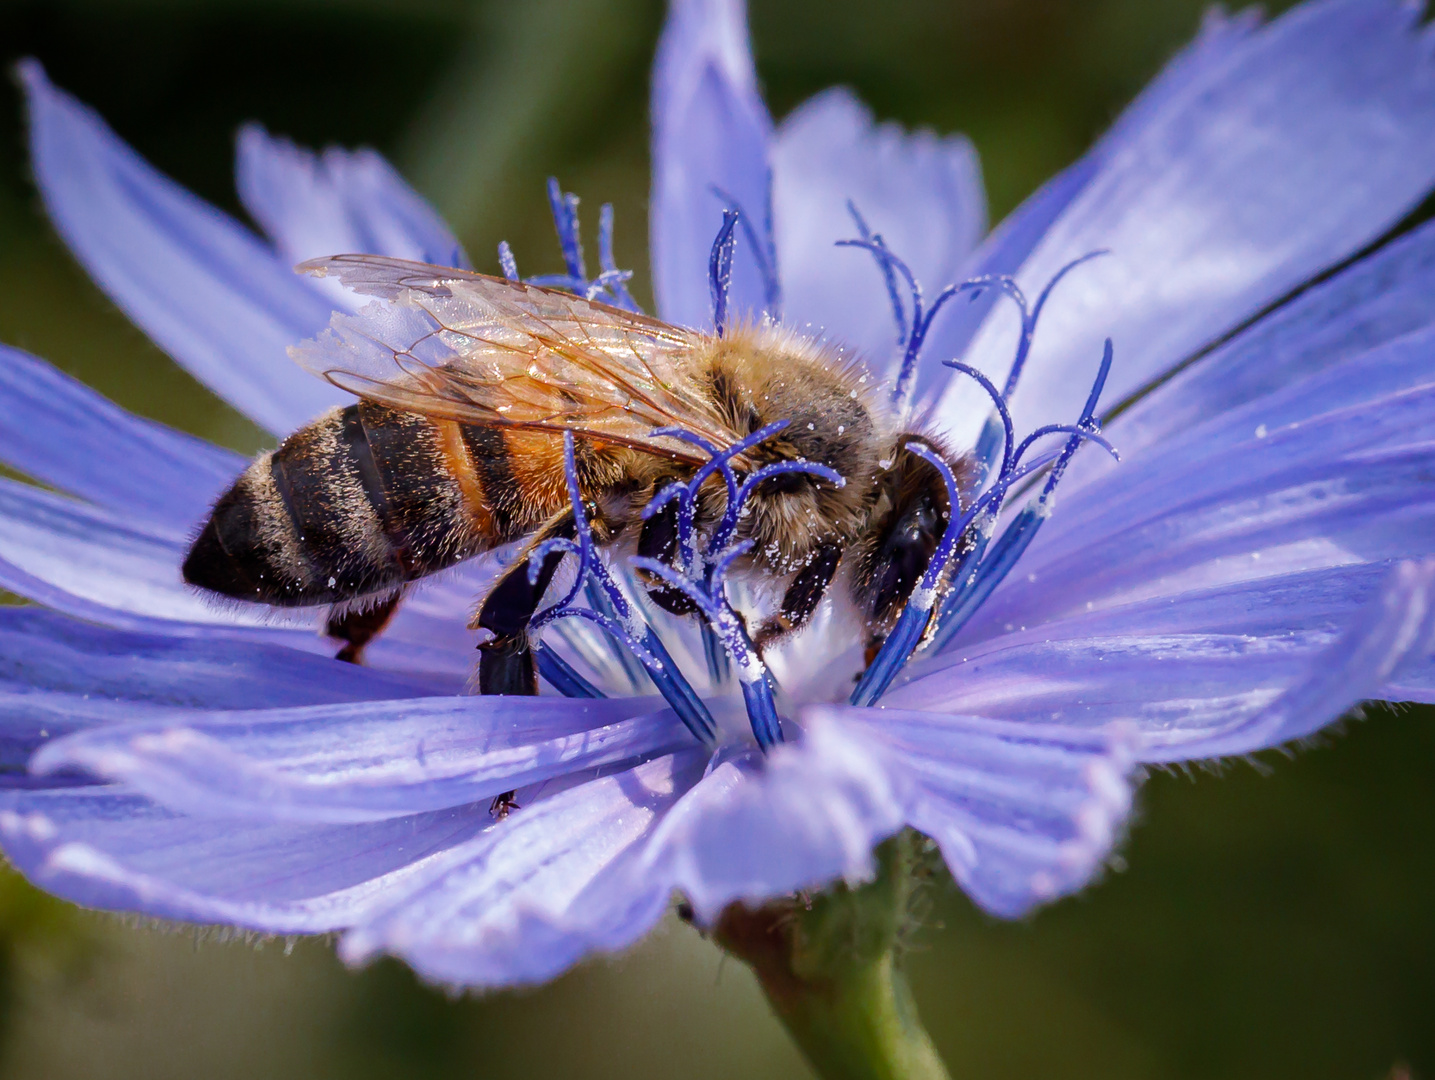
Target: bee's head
910,513
757,382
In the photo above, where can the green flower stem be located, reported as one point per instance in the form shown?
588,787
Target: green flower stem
830,966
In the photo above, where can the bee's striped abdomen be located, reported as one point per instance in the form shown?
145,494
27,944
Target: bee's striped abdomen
429,514
368,497
358,502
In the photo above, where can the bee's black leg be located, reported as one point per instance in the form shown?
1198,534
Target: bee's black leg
505,661
658,540
505,667
802,596
356,628
503,805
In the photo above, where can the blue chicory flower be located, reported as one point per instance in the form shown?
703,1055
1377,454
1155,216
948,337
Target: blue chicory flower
1258,564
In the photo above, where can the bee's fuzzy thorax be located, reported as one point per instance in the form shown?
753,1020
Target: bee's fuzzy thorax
761,373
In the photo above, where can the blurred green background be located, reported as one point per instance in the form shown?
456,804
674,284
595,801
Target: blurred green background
1273,922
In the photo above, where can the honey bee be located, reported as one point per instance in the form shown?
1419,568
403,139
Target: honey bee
465,386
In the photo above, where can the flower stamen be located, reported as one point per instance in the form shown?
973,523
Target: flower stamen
991,568
910,333
763,253
720,270
916,621
609,286
622,620
701,576
709,595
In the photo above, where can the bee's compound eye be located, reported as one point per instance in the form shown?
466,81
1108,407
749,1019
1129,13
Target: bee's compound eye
901,556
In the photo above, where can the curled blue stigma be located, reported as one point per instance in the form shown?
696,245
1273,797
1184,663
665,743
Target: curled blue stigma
1030,315
973,590
913,326
911,333
720,270
764,247
610,286
701,576
977,572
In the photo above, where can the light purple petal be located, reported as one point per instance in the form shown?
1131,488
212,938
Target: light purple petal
1024,812
42,651
1217,672
91,563
339,201
1013,239
710,130
96,565
58,675
922,193
1396,631
1332,470
1370,507
1384,297
535,894
106,847
753,830
1189,662
208,291
362,761
99,558
1299,146
59,431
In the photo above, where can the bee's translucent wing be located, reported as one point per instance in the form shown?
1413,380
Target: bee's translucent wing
482,350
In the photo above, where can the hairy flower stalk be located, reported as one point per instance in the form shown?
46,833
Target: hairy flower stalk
1260,562
831,966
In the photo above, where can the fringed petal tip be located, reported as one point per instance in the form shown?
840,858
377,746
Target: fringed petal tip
202,286
337,201
710,147
1098,822
755,829
1023,812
